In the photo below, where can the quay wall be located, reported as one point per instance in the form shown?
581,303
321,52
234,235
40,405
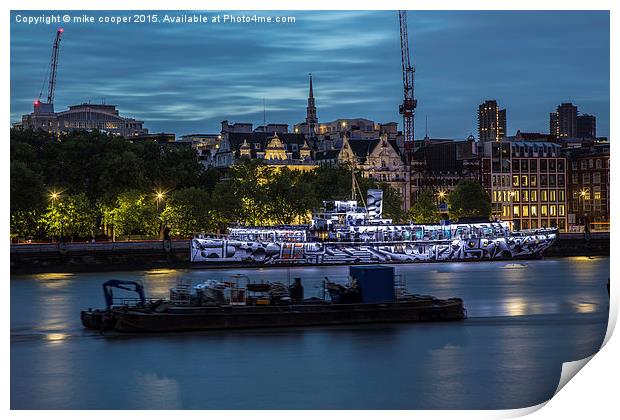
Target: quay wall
144,255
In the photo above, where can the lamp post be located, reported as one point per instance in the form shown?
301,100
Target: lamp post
54,195
159,196
583,195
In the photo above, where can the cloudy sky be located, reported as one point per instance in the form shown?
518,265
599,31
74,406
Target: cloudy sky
186,78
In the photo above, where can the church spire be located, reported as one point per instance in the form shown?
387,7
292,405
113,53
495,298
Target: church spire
311,118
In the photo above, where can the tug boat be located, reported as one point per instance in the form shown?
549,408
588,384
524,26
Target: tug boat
343,233
373,295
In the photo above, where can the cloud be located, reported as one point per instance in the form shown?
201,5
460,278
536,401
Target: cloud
182,78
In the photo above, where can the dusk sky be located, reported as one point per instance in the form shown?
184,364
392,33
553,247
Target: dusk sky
186,78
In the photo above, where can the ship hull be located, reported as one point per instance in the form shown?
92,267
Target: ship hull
229,317
257,253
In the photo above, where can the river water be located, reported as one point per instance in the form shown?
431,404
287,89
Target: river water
523,323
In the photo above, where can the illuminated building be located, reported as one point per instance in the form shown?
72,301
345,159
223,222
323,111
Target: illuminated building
491,121
83,117
588,186
376,159
526,181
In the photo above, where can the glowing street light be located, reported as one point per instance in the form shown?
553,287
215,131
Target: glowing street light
159,195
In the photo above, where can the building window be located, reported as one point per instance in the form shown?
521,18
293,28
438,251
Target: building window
551,195
561,210
515,211
525,211
543,195
575,178
533,165
561,196
534,211
543,165
591,163
551,165
524,165
560,180
543,180
533,195
599,164
596,177
597,195
560,165
584,164
533,180
543,210
525,194
515,180
524,179
553,210
586,178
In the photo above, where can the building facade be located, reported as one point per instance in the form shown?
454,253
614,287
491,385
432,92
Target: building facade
491,121
567,123
84,117
377,159
437,165
290,150
588,186
527,182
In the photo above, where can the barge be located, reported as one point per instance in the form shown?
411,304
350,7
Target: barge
345,233
373,295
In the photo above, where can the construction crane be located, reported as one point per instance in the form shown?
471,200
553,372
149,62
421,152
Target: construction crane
407,108
51,78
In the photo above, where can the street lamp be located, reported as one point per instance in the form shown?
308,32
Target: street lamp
54,196
583,195
159,195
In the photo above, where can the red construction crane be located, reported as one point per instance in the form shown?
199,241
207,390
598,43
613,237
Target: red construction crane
407,108
49,105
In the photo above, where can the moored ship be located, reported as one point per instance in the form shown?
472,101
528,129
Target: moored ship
343,233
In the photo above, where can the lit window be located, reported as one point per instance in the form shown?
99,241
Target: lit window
533,195
553,210
525,211
534,211
515,181
597,195
515,211
543,210
524,181
543,195
561,211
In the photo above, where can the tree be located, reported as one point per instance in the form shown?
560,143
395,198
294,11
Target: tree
70,216
27,188
188,211
135,214
289,198
424,210
392,204
469,199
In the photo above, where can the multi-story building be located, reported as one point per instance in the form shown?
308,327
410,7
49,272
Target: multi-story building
588,186
83,117
437,165
563,122
586,126
205,145
287,149
491,121
567,123
377,159
526,181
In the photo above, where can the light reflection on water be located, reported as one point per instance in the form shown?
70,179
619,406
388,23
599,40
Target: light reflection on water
523,324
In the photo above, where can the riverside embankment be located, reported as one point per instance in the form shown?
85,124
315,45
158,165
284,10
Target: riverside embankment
140,255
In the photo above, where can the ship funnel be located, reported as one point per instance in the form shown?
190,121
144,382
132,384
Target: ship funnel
374,204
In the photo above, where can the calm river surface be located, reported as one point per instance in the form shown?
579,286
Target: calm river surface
523,323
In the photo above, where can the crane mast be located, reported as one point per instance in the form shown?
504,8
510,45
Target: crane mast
51,88
407,108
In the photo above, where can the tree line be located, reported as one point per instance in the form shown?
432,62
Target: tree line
93,185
